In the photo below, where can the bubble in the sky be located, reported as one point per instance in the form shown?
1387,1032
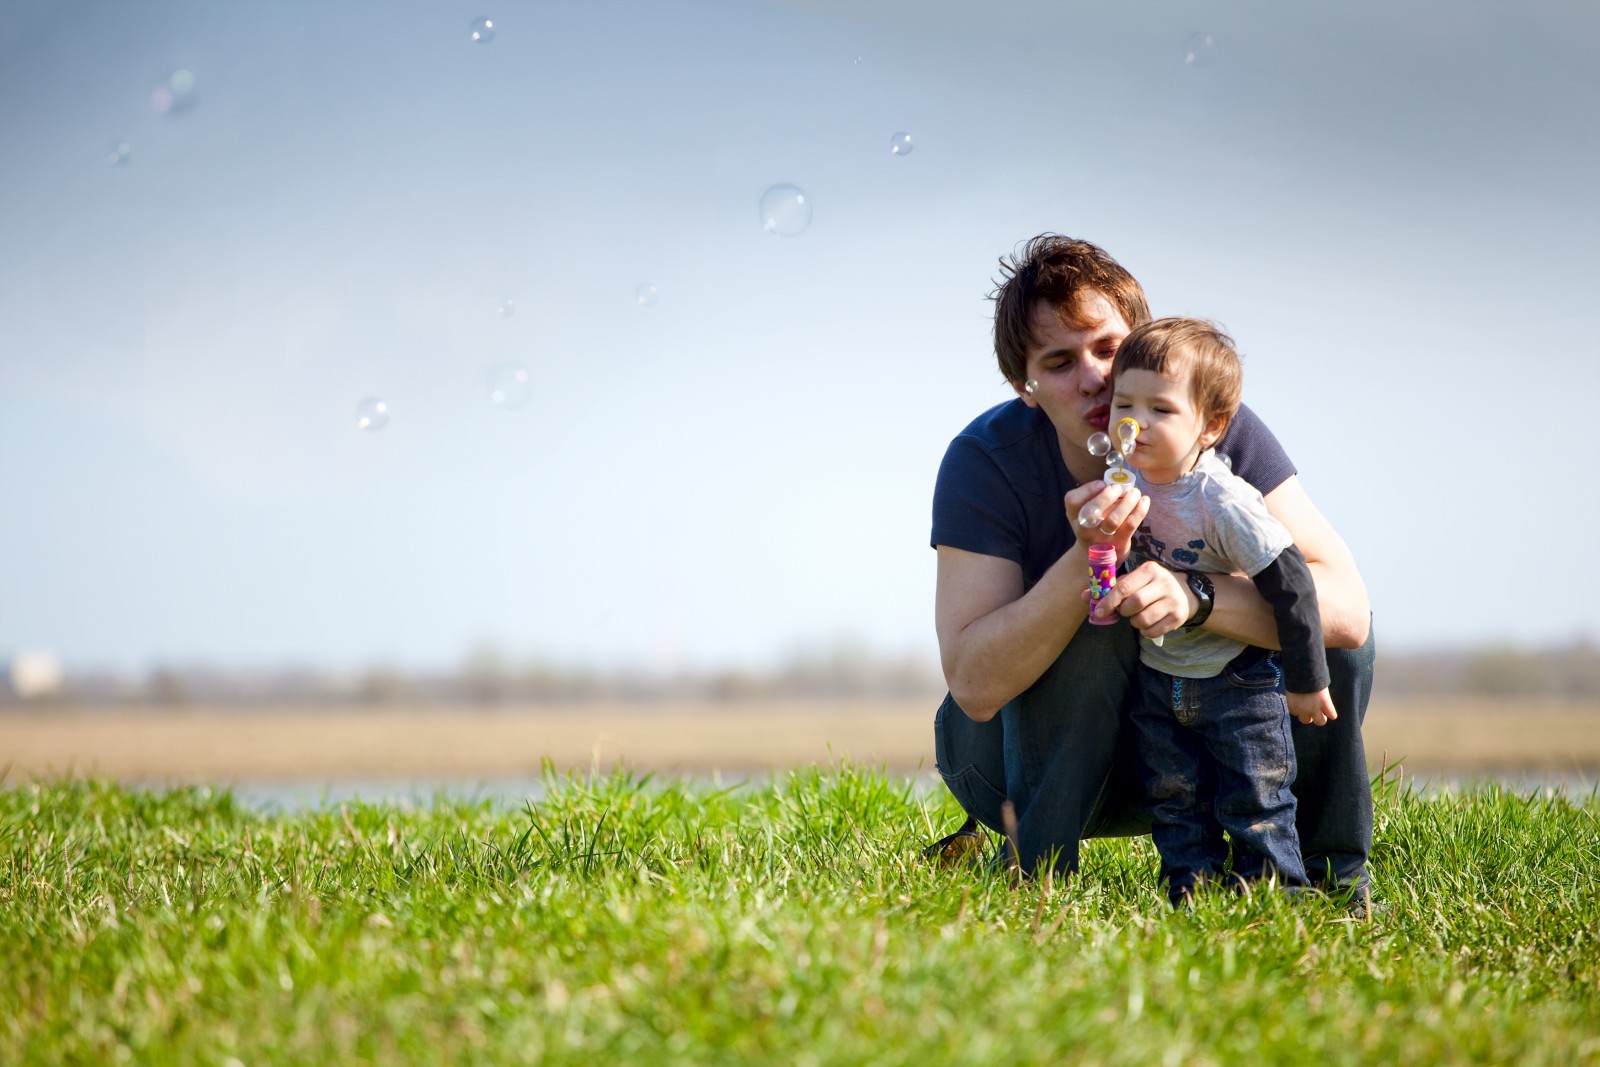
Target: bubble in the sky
858,61
483,30
1099,444
785,210
646,295
508,308
181,81
119,153
900,144
510,385
1197,49
161,100
371,414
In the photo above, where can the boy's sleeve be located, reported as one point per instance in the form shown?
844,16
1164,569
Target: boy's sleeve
1286,584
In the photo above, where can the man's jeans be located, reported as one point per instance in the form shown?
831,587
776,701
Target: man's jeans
1063,753
1215,755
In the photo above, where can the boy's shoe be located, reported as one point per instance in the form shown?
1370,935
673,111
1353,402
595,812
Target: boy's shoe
963,846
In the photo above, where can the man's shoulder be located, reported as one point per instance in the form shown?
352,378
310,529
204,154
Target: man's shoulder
1007,426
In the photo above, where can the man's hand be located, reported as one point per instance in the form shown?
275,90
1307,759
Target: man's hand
1312,708
1119,511
1154,599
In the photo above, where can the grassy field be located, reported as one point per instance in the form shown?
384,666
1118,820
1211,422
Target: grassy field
214,745
621,920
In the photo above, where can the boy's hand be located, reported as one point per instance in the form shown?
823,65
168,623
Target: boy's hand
1312,708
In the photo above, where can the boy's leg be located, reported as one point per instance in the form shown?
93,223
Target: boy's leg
1178,785
1335,794
1246,728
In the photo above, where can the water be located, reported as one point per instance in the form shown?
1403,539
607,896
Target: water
511,793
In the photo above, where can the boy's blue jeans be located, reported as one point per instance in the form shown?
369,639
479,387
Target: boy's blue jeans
1063,752
1215,754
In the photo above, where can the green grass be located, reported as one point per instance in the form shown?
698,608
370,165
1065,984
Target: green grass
622,920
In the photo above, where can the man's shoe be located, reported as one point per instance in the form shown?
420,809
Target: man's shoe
963,846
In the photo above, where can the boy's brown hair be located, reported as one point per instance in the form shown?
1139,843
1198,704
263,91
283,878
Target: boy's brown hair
1172,346
1059,270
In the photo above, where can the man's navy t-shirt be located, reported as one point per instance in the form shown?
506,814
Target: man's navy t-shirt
1001,483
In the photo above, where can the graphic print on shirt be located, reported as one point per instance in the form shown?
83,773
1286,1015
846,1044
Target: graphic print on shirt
1152,547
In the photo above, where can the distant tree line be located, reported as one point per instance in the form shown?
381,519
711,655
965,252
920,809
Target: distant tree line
843,670
1568,671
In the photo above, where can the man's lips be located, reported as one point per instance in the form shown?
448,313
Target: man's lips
1099,417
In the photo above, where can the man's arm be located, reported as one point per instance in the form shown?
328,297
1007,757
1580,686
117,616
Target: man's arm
1158,602
994,640
1240,613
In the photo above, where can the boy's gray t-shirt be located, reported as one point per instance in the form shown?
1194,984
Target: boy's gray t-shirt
1208,520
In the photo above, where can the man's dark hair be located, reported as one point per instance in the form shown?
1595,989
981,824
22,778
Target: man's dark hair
1059,270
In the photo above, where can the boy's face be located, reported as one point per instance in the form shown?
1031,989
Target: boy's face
1172,432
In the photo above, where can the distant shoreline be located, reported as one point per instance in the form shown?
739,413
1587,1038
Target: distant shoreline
319,744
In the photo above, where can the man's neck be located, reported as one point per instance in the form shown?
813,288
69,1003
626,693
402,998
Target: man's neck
1083,466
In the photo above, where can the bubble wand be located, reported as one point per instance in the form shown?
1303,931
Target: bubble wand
1103,558
1118,472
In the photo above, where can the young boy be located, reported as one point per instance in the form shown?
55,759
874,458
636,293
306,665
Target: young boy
1212,720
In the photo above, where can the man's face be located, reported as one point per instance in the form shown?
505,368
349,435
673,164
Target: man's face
1073,365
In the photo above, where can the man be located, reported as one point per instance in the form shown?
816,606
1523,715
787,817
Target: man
1035,711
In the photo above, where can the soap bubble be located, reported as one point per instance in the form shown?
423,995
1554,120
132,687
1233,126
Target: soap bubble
181,81
900,144
119,153
371,414
483,30
508,308
785,210
1099,444
161,100
646,295
1197,49
510,385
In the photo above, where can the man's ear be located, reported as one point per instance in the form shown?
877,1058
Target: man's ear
1216,426
1021,389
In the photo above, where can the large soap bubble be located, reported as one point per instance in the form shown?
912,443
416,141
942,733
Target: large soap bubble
483,30
785,211
1099,444
510,385
1198,49
900,144
371,414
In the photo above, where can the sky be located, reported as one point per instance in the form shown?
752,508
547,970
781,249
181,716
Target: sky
1391,207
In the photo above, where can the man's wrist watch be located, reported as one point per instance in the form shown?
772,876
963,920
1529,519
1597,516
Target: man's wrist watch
1204,591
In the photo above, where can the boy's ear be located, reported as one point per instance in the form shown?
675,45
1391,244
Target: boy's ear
1215,427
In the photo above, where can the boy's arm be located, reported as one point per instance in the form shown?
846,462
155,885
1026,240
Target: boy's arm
1286,584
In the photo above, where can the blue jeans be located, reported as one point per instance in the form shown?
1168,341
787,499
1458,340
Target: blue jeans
1062,751
1214,755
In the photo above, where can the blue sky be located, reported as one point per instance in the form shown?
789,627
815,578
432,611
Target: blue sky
1389,206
